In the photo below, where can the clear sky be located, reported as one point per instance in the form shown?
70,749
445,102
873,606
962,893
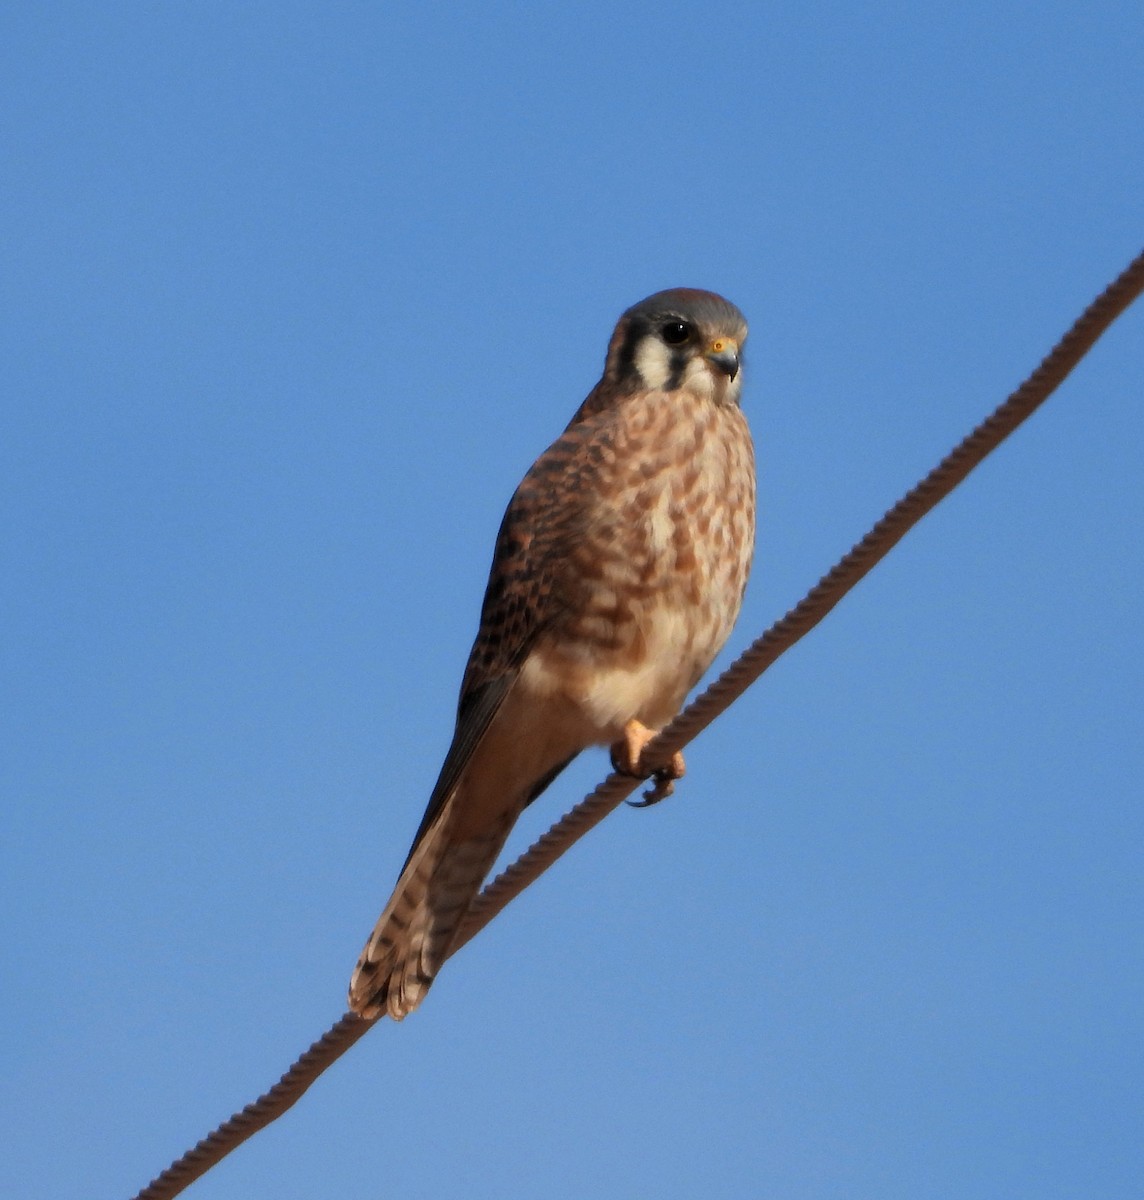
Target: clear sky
293,295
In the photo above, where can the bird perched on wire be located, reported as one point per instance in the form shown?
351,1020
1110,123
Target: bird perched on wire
618,573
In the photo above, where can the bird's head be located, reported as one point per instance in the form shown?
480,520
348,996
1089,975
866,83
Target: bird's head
683,338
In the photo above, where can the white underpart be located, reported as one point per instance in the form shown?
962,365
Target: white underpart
651,691
613,694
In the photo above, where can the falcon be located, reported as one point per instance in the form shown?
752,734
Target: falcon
617,576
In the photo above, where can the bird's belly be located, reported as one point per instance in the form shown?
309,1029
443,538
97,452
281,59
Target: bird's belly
671,648
643,670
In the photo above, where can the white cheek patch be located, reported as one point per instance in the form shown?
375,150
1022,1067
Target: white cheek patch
653,361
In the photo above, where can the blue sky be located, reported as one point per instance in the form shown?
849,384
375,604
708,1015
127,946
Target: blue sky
294,295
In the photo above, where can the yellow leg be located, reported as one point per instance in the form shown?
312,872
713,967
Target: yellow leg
627,756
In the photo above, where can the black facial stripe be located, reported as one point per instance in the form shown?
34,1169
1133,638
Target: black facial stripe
679,360
626,359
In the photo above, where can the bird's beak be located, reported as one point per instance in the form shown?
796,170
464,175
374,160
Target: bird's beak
723,355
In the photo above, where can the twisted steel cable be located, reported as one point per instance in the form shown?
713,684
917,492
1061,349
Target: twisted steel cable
760,655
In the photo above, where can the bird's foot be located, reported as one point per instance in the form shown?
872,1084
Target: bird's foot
627,757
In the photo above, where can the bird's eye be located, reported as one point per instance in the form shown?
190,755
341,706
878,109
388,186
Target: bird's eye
675,332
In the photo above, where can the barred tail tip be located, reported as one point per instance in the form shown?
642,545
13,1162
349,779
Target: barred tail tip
412,938
386,985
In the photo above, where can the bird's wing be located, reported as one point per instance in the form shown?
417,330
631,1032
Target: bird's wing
545,518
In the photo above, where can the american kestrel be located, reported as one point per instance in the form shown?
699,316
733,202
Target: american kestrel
618,572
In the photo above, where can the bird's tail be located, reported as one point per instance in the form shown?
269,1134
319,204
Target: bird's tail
415,932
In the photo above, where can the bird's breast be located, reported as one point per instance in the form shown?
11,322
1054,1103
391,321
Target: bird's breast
653,588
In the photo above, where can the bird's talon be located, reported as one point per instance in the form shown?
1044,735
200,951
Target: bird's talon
664,787
627,757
